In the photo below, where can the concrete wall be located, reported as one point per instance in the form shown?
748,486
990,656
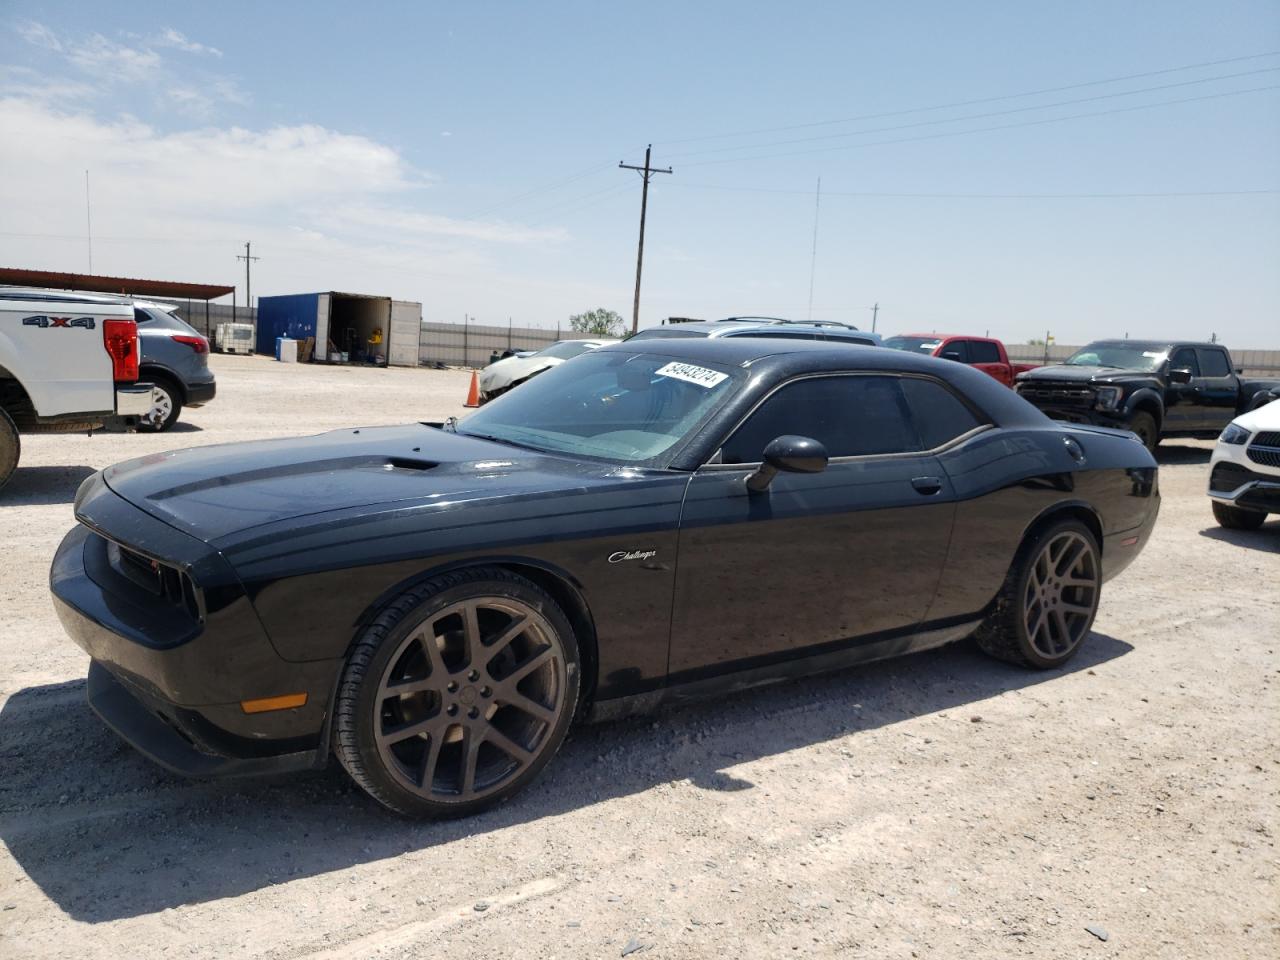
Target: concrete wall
1258,363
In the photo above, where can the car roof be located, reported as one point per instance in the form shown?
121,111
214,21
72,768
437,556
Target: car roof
1160,344
786,358
944,336
723,328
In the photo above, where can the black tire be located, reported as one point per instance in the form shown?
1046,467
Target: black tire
1144,425
10,447
166,398
1237,518
1067,616
421,752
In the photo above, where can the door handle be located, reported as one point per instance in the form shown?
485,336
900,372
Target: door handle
927,486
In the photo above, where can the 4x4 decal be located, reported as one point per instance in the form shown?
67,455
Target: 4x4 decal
86,323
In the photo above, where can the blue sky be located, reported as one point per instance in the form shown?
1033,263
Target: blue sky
466,155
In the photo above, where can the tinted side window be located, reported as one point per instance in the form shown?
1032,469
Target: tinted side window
777,334
1185,359
955,350
1213,363
141,316
851,416
849,338
983,351
939,415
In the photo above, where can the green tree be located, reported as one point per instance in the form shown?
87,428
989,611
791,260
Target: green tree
597,323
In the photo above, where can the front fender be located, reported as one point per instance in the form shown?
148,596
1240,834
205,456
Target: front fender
1144,396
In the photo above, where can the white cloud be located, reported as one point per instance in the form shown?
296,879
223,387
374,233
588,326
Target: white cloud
113,64
169,37
383,218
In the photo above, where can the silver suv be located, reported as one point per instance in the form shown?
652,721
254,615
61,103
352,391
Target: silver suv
175,359
763,327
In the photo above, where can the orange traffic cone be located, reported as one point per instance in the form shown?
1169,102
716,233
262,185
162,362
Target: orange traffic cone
473,395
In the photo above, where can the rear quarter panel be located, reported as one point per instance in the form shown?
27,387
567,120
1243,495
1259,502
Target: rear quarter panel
1006,480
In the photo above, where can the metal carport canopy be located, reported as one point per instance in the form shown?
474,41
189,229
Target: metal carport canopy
164,289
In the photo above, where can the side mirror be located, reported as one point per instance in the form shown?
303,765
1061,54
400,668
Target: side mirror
788,454
951,355
1180,375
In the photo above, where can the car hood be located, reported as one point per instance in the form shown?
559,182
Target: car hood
215,492
1072,373
1264,418
513,369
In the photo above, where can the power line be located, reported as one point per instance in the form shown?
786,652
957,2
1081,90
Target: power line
978,116
1002,126
685,185
975,102
646,173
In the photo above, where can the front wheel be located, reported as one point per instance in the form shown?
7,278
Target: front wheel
458,695
10,447
1144,425
1237,518
1046,607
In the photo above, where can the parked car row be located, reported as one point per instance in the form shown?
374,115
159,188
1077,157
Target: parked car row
74,361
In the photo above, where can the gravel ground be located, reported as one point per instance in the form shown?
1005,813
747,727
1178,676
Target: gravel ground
940,805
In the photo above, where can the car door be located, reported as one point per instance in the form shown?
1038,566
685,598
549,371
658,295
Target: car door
1184,408
817,559
1220,389
985,355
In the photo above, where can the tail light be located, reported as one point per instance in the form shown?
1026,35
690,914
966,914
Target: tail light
120,337
198,344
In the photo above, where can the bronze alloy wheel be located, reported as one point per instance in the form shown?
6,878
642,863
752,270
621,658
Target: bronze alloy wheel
1045,609
469,699
1061,594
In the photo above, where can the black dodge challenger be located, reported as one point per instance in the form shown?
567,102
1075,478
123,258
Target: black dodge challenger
436,603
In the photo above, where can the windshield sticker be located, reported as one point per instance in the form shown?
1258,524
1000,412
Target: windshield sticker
693,374
1154,355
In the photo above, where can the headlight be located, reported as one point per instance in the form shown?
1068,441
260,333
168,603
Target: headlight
1107,398
1234,434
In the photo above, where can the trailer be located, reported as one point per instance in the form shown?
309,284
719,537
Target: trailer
344,327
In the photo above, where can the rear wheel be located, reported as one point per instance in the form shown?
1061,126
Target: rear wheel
1144,425
458,695
10,447
1046,607
1237,518
166,405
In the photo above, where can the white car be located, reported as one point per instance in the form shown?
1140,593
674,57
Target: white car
499,377
1244,473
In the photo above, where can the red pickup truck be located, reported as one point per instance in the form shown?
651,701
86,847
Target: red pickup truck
984,353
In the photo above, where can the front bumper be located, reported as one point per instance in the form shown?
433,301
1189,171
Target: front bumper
1231,482
133,400
198,394
172,667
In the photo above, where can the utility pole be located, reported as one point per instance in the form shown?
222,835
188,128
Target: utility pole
645,172
88,219
813,257
875,310
248,290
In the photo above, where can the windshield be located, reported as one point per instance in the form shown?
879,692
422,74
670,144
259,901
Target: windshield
628,407
566,349
913,344
1145,357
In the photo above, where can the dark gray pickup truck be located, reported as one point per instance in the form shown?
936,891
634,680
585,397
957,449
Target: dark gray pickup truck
1156,388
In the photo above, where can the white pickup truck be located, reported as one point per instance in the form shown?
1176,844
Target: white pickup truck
68,362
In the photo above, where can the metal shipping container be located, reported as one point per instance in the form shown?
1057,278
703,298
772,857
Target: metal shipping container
365,328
